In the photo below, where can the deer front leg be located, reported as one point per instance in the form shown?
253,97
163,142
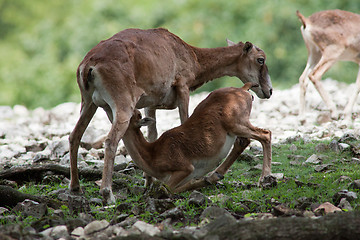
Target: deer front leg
352,99
87,112
183,94
152,136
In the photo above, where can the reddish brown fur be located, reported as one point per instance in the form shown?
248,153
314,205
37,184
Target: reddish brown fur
152,69
330,36
172,158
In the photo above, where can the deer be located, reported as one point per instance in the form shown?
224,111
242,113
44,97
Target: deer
329,36
182,156
152,69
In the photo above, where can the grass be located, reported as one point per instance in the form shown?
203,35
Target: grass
237,192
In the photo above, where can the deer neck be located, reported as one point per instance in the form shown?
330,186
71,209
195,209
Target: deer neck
138,148
215,63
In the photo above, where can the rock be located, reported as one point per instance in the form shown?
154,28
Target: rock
198,199
56,232
78,232
323,118
3,210
282,210
174,213
78,204
31,208
321,147
334,146
96,226
355,184
293,148
268,182
348,195
344,204
146,228
325,209
323,167
313,159
214,212
344,146
278,176
245,157
342,179
158,205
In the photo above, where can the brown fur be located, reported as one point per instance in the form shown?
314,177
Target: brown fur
152,69
330,36
225,112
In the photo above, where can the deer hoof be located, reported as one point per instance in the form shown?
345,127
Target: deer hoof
108,196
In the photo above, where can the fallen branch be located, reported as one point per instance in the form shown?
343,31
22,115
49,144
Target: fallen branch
332,226
10,197
21,174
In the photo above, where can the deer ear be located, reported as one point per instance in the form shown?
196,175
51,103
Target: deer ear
146,121
230,43
247,47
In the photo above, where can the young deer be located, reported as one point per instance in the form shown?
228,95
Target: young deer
188,152
330,36
152,69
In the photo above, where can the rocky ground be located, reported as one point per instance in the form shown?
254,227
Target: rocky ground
30,137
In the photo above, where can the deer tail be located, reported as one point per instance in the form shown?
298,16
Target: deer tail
302,18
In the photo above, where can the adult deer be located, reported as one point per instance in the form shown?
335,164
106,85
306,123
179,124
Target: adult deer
330,36
186,153
152,69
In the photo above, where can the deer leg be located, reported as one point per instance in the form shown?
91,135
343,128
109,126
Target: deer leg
87,112
313,59
239,146
152,136
119,126
315,77
247,130
352,99
183,95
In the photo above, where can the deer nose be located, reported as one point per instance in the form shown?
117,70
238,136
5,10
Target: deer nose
270,91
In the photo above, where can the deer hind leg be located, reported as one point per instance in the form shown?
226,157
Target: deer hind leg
119,125
239,146
247,130
323,65
352,99
88,110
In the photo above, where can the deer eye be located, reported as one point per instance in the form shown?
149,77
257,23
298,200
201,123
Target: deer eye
261,61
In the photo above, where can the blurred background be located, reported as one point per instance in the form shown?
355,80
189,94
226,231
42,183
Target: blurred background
43,42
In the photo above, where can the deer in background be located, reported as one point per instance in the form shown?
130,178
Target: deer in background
330,36
152,69
182,156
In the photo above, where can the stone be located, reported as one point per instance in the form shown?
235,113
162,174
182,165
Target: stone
96,226
321,147
344,146
146,228
31,208
174,213
293,148
325,209
313,159
323,167
268,182
344,204
56,232
198,199
158,205
355,184
214,212
78,232
348,195
334,146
